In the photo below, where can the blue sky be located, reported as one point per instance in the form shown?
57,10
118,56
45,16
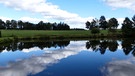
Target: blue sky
73,12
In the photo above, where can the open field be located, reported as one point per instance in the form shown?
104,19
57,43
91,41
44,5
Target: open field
35,33
10,35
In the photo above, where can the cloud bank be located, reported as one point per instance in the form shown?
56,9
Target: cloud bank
129,4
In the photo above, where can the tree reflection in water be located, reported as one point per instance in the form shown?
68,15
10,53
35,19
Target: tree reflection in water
21,45
128,45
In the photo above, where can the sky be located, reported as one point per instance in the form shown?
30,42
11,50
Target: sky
73,12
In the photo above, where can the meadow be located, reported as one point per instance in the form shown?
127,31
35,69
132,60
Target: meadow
50,34
35,33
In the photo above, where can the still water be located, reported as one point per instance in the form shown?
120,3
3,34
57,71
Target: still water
68,58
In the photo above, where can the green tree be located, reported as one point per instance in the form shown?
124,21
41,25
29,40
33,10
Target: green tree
127,27
2,24
40,25
113,23
54,26
13,24
8,23
88,25
103,22
91,25
49,26
28,26
20,24
62,26
133,18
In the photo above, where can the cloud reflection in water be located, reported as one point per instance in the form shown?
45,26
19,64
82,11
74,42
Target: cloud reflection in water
120,68
37,64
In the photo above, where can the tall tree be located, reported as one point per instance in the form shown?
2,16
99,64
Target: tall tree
91,25
8,23
62,26
88,25
113,23
40,25
13,24
2,24
28,26
133,18
127,27
20,24
48,26
103,22
54,26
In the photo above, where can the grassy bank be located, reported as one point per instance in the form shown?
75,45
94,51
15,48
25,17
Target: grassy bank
42,34
34,33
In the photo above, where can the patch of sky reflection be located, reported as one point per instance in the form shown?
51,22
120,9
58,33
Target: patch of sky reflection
10,56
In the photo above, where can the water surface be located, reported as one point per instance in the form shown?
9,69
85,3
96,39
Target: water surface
68,58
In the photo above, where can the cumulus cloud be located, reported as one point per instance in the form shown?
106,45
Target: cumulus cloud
129,4
47,9
37,64
120,68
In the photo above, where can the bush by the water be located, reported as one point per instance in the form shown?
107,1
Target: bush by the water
95,31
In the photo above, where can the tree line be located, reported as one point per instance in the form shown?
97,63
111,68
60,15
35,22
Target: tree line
128,25
13,24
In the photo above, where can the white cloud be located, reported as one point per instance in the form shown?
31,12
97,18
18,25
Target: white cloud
120,20
5,18
120,68
47,9
129,4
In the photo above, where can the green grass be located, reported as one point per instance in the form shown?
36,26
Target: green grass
6,40
33,33
49,33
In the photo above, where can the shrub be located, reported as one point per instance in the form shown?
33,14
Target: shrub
95,31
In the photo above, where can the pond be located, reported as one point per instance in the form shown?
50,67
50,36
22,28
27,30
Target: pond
68,58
